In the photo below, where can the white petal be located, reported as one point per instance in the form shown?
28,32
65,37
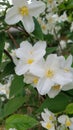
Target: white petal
21,68
44,86
36,7
62,119
12,16
52,93
45,116
69,61
28,23
24,50
68,86
19,3
39,71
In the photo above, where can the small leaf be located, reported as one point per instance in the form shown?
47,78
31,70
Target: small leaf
9,69
20,122
16,86
12,105
2,44
38,31
56,104
69,109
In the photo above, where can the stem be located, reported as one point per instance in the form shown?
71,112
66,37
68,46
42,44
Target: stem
7,53
12,38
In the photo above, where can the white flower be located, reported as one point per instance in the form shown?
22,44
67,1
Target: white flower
49,120
71,28
50,74
52,19
65,120
12,129
44,25
67,71
63,44
63,17
31,79
24,11
28,56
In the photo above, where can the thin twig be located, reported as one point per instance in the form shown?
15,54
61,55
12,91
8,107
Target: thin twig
12,38
7,53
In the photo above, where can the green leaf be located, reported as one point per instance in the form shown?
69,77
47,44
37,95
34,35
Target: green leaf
9,69
16,86
38,31
56,104
69,109
2,44
20,122
12,105
50,50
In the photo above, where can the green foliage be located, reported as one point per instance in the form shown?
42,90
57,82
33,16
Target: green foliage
11,106
57,104
38,32
17,86
69,109
9,69
20,122
2,43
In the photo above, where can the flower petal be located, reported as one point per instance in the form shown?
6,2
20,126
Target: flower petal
21,68
28,23
36,7
12,16
44,86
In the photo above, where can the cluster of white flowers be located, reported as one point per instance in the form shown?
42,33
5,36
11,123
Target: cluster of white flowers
24,11
51,17
48,76
52,122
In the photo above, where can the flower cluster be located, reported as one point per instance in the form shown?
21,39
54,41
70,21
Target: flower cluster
24,11
53,122
48,75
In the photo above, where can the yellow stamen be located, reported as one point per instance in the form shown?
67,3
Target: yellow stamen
68,123
66,70
43,27
23,10
35,81
49,73
56,87
48,126
50,1
51,117
30,61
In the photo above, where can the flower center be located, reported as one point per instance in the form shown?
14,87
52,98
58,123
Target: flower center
50,73
30,61
56,87
48,126
35,81
23,10
68,123
51,117
66,70
43,27
50,1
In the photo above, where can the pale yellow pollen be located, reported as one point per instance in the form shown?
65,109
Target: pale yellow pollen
51,117
68,123
43,27
24,10
35,81
66,70
56,87
50,73
49,125
30,61
50,1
